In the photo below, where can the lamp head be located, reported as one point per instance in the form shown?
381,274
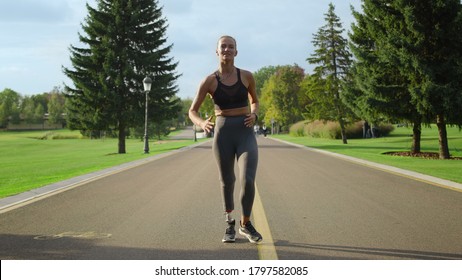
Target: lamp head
147,82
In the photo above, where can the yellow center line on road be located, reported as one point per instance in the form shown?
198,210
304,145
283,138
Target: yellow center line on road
266,249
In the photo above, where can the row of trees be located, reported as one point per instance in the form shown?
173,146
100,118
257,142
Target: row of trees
50,110
288,95
15,108
403,63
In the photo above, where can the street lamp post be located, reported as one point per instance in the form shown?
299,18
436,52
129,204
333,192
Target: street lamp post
147,82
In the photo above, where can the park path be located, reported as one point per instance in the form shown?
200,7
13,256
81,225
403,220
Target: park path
310,206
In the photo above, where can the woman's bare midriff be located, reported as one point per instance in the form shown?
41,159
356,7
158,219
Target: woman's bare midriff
233,112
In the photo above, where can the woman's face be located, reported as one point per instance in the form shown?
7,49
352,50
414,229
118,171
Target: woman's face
226,48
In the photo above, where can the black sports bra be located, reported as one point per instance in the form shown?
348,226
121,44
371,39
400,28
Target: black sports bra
230,97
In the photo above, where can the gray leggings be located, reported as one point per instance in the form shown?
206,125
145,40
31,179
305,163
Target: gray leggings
233,140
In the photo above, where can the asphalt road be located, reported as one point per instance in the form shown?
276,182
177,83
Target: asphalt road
309,206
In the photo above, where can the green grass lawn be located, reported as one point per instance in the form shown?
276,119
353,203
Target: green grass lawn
399,140
28,162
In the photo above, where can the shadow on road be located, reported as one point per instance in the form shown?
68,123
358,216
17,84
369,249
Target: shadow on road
276,146
374,253
27,247
204,147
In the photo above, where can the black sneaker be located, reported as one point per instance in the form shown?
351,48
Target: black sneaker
230,233
250,232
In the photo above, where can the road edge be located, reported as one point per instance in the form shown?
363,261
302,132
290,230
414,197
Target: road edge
443,183
16,201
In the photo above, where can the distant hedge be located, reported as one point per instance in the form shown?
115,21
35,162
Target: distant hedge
331,130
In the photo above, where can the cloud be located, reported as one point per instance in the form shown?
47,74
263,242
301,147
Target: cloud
35,37
13,69
34,11
177,7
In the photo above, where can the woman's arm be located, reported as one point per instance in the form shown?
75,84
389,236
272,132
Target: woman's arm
254,104
193,113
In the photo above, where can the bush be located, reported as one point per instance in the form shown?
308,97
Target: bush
385,129
298,129
66,136
51,135
331,130
355,130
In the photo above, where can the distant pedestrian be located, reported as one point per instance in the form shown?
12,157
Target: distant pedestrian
232,89
366,128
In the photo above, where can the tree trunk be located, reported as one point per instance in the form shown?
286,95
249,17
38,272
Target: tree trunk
373,131
337,103
343,131
443,137
416,136
122,138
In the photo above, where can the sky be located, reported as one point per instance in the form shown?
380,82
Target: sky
35,36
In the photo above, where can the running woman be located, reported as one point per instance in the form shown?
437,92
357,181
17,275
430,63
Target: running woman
236,110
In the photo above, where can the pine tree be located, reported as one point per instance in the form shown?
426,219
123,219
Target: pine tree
408,63
378,89
333,60
124,42
431,57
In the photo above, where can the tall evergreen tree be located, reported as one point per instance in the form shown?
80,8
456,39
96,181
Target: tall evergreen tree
333,60
378,89
432,58
409,59
124,42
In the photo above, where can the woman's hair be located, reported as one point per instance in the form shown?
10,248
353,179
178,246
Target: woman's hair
228,37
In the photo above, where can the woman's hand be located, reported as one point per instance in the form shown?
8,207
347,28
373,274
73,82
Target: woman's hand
251,120
207,125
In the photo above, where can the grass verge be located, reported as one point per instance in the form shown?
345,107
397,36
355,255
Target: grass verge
399,140
34,159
